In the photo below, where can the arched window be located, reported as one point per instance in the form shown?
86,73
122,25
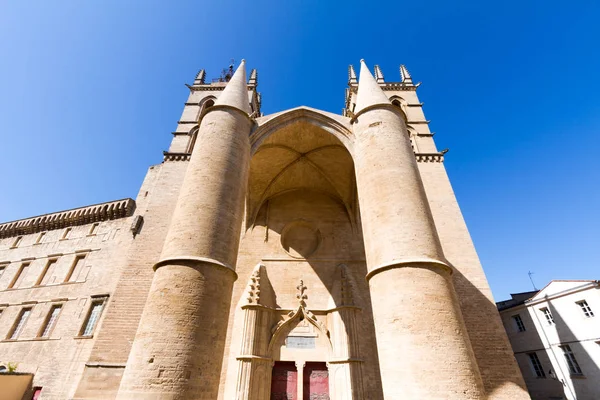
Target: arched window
205,104
192,140
208,104
401,104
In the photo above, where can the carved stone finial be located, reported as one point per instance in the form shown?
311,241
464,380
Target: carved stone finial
405,75
352,75
253,287
200,77
301,296
378,74
253,77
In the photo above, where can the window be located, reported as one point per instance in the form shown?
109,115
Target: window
50,321
93,317
587,311
19,324
571,361
2,268
93,229
47,273
17,242
536,365
18,279
519,323
40,238
66,233
548,315
75,269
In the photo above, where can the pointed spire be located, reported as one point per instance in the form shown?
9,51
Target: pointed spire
200,77
369,92
378,74
351,75
405,75
253,77
235,93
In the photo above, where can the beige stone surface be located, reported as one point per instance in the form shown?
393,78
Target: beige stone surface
259,234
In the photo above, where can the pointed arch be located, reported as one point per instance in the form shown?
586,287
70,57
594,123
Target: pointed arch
287,325
336,125
401,104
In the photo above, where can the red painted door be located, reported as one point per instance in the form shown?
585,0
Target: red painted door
284,383
316,381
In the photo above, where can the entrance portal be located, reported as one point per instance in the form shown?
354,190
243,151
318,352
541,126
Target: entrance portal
316,381
284,384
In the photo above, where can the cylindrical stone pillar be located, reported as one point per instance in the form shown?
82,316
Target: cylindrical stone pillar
178,349
423,346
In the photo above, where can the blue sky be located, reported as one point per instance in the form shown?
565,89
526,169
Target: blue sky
90,92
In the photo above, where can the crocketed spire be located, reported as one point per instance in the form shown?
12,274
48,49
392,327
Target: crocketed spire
369,92
235,93
405,75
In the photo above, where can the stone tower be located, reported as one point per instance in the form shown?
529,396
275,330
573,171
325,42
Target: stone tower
296,255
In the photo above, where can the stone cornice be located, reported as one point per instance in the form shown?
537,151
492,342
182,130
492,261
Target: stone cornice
396,86
211,88
430,157
168,156
62,219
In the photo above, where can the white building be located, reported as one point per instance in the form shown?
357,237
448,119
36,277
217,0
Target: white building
555,335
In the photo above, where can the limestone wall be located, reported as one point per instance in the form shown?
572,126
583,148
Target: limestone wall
59,359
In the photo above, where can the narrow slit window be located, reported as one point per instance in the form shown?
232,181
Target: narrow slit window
75,269
93,229
50,321
536,365
17,242
92,318
66,233
19,324
548,316
519,323
40,238
2,268
571,361
47,273
18,279
585,308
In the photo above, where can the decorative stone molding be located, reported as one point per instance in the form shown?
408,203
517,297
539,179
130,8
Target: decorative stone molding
78,216
168,156
253,287
298,312
430,157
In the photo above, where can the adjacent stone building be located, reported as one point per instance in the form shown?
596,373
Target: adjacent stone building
555,334
296,255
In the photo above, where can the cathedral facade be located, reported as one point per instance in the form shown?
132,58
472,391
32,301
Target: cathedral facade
297,255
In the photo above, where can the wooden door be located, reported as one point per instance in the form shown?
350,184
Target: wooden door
316,381
284,383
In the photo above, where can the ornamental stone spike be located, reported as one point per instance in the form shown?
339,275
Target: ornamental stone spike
351,75
253,286
235,93
378,74
253,77
200,77
405,75
369,92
